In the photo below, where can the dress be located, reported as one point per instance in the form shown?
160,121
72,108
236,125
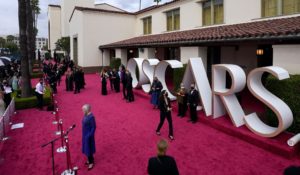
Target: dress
103,81
88,135
157,86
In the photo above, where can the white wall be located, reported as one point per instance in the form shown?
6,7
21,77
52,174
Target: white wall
190,17
188,52
76,30
105,6
287,57
241,11
147,53
101,28
243,55
67,7
54,15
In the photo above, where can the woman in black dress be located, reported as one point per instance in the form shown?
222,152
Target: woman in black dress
165,112
103,81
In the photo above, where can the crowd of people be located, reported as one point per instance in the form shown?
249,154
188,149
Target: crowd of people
116,78
10,80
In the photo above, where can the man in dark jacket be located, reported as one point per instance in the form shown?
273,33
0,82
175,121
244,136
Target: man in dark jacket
162,164
193,99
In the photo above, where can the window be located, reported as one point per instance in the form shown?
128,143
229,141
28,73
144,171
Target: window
147,24
173,20
213,12
279,7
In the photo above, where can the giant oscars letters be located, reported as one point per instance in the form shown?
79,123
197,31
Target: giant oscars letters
219,100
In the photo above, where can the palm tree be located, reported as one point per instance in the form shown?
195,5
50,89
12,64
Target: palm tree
30,35
35,13
26,84
157,1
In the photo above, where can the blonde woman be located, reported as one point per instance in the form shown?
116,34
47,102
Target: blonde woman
88,135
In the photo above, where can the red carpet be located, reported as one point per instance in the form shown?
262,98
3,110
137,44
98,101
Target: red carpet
125,139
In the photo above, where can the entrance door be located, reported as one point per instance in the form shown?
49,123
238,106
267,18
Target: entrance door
75,51
213,57
132,53
264,55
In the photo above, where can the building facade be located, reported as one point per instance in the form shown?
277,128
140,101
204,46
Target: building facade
40,42
247,33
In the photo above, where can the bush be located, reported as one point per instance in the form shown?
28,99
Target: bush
47,56
37,75
178,76
30,102
289,91
115,63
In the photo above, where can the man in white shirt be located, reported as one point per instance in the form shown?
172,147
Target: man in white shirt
39,91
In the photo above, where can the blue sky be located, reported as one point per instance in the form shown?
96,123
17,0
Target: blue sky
9,13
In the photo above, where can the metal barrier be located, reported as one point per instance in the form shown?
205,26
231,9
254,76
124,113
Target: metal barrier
5,120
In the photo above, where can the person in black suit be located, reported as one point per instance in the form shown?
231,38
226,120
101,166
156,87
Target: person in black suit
162,164
77,81
193,99
130,96
116,80
165,112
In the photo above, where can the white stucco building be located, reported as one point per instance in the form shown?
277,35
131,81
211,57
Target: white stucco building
247,33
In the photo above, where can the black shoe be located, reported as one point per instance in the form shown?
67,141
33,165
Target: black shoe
171,137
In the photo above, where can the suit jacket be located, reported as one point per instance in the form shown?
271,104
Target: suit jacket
193,98
163,106
162,165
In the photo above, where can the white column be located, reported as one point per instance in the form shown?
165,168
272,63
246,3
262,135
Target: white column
188,52
146,53
287,57
122,54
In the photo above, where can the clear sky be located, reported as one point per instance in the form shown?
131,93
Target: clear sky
9,13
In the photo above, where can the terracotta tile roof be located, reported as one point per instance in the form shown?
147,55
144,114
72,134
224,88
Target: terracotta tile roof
53,5
156,6
284,28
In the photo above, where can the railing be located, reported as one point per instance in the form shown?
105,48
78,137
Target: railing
5,120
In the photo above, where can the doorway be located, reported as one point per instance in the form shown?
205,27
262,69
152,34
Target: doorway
75,51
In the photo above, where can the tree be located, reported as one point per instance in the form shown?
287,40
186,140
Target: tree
63,44
26,83
157,1
35,13
10,38
30,34
13,48
2,42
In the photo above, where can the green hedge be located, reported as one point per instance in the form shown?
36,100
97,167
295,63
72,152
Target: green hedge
115,63
37,75
178,77
30,102
289,91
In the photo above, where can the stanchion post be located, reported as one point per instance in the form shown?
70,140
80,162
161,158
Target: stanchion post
4,136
